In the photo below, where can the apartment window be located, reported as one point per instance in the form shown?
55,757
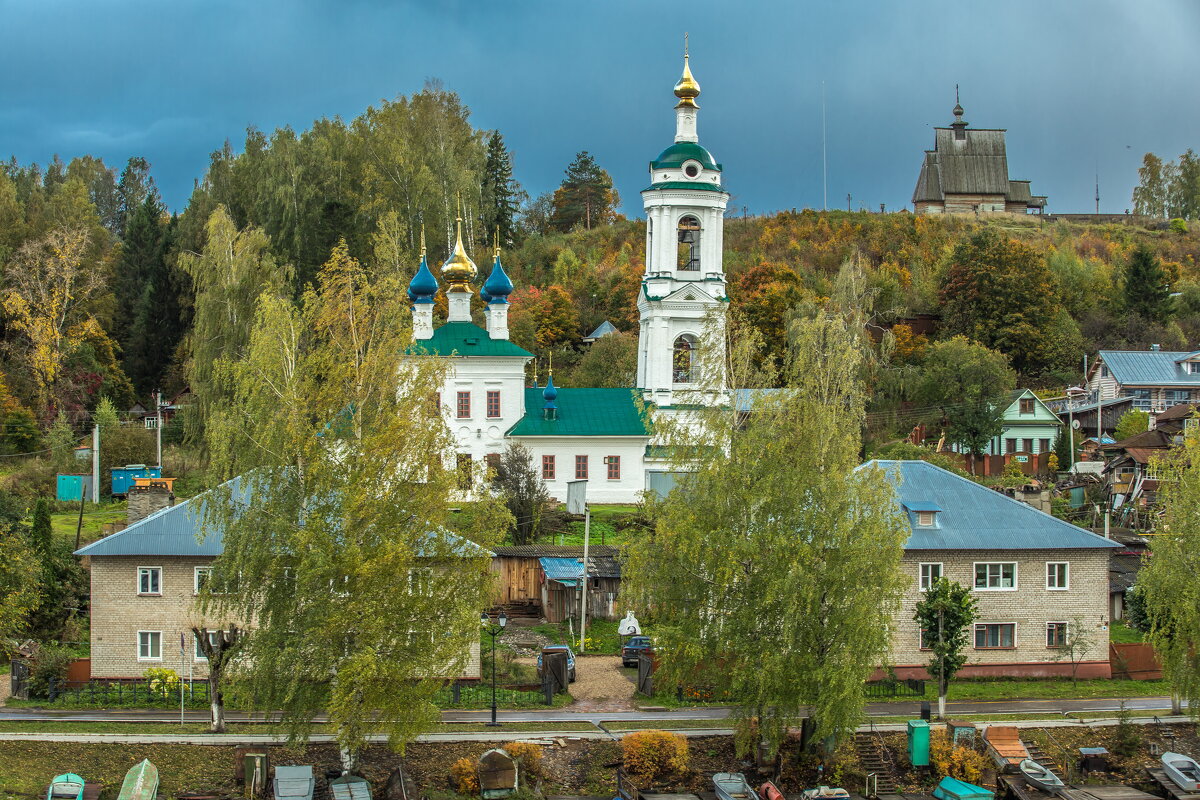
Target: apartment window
201,578
1026,405
1193,367
493,462
994,636
493,403
1028,446
614,467
1141,398
996,575
1010,446
925,640
1043,445
1174,397
149,580
930,572
924,519
1058,575
1056,634
547,468
463,409
581,470
1103,370
212,641
149,645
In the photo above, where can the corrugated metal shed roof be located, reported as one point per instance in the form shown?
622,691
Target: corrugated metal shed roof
603,329
974,517
583,412
1148,368
568,570
558,550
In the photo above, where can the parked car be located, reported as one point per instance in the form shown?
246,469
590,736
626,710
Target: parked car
634,648
552,648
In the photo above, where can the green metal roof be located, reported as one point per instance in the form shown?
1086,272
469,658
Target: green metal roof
583,412
465,339
676,154
703,187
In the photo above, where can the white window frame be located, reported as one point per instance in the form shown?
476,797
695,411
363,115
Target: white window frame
975,577
140,657
1067,575
975,628
925,519
148,571
196,572
1066,635
922,584
196,652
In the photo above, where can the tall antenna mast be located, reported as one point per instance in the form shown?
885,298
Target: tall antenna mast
1097,186
824,161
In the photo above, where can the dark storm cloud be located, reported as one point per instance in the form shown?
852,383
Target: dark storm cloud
1079,85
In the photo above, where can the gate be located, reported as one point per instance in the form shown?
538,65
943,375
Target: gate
554,674
645,676
20,679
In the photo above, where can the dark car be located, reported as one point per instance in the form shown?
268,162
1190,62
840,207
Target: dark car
550,648
634,648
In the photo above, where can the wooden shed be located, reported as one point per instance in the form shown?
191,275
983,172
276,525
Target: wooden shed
523,589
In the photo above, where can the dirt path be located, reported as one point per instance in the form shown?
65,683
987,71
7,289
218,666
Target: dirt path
601,684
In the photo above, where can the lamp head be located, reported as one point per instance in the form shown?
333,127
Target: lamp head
503,619
484,619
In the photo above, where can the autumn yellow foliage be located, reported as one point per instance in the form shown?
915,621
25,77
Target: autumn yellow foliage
958,762
528,755
464,776
653,755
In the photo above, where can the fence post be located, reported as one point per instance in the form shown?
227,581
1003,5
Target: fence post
456,693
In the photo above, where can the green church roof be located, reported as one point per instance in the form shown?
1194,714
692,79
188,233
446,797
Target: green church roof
676,154
464,339
703,187
583,412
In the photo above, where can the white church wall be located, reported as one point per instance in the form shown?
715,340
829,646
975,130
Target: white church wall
601,489
478,434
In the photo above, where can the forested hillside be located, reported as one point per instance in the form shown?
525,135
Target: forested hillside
106,294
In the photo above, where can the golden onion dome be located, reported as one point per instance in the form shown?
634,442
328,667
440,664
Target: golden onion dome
687,90
459,270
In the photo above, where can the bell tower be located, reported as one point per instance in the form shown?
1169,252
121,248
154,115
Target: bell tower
683,288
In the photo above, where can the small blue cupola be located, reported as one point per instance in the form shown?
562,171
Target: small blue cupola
423,286
922,513
550,394
497,287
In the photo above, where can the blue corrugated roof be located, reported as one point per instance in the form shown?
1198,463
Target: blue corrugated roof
175,531
974,517
921,505
564,570
1149,367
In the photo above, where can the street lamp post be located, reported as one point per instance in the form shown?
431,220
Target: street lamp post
1072,393
493,630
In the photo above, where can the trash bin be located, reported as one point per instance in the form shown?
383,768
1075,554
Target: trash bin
918,742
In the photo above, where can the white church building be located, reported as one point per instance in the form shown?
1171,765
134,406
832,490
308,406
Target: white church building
602,436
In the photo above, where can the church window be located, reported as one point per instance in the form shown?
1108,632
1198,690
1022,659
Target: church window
493,403
614,467
683,361
464,405
689,244
547,468
691,170
581,468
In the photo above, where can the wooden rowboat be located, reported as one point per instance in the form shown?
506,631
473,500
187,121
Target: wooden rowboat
1004,745
141,782
733,786
954,789
350,787
67,786
293,783
1039,777
826,793
1183,770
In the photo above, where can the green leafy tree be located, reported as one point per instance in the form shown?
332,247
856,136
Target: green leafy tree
64,584
945,615
501,193
1131,423
609,363
1080,640
1145,288
1150,195
586,197
1000,293
20,582
523,491
334,530
1184,192
970,383
738,574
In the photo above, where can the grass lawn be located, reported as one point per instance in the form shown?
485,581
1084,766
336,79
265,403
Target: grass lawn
605,520
1120,633
668,724
94,519
196,728
602,636
1043,689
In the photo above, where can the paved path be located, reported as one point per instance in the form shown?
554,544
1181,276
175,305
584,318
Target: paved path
1050,707
499,735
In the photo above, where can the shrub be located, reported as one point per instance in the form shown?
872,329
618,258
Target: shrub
50,662
1179,225
464,776
956,761
162,681
1127,739
653,755
528,755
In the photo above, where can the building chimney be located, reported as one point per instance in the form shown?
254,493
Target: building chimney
1155,348
147,500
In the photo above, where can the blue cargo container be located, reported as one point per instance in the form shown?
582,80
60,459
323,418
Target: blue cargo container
69,487
123,477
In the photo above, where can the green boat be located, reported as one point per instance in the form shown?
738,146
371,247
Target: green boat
141,782
67,786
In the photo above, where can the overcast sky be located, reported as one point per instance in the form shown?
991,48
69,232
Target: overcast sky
1080,86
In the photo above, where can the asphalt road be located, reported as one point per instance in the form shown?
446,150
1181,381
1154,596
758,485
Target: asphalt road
1061,707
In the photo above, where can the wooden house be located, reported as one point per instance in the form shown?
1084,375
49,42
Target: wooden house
542,581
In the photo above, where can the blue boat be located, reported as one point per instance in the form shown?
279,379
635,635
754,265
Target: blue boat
67,786
954,789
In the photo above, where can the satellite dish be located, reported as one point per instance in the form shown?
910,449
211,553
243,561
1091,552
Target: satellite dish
1075,424
629,626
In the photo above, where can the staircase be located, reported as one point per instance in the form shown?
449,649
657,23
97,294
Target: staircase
521,611
875,759
1037,754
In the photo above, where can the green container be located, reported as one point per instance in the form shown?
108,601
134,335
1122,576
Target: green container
918,742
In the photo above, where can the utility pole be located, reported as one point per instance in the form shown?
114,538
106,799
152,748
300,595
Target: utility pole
95,463
847,201
587,530
158,427
824,162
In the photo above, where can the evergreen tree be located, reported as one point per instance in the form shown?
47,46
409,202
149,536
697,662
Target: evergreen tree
500,193
1145,289
133,188
586,197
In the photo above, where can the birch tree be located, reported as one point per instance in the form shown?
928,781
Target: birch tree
754,574
335,523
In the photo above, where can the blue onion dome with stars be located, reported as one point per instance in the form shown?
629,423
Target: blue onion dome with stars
423,286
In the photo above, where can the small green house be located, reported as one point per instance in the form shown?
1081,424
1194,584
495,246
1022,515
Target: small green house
1029,427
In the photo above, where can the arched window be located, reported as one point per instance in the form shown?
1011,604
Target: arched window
689,244
649,239
683,361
